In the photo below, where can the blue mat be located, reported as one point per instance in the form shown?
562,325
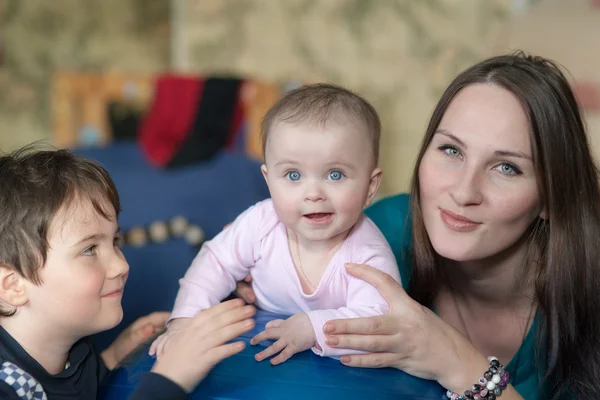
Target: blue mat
305,376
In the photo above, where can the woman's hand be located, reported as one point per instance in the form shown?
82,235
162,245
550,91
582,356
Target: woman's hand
409,337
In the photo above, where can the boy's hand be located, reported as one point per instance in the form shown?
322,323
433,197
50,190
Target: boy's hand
200,344
293,335
160,343
132,337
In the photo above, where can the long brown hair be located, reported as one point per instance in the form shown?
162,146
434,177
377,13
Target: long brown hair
566,270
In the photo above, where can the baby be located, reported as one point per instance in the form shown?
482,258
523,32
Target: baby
321,145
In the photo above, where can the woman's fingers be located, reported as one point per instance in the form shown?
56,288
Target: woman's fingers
370,343
379,325
391,290
374,360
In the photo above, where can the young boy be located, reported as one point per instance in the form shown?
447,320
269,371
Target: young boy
321,147
62,276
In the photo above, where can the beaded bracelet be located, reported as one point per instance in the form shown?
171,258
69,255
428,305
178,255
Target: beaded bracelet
490,385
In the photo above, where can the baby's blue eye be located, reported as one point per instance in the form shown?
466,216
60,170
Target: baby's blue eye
335,175
293,176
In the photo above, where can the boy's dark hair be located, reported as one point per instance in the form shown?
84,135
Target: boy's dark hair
34,186
320,104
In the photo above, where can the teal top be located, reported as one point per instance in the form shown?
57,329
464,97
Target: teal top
392,217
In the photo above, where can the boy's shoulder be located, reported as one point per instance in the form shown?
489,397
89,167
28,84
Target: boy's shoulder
20,373
16,382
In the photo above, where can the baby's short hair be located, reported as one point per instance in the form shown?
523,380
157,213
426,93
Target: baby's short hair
320,104
34,185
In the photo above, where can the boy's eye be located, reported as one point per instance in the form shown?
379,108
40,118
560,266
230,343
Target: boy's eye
293,175
335,175
118,241
90,251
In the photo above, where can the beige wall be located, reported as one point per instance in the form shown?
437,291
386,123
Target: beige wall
43,36
400,54
569,33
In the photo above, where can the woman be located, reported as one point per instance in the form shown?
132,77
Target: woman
504,247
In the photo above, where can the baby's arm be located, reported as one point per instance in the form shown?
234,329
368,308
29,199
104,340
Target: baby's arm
214,272
363,300
304,330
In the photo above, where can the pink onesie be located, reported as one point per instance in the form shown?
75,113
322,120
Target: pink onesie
257,243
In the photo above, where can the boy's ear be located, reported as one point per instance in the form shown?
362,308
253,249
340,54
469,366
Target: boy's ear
373,185
12,287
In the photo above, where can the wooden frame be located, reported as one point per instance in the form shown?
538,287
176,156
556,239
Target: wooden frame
80,100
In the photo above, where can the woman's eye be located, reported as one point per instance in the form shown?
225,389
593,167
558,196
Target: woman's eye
90,251
335,175
509,169
451,151
293,175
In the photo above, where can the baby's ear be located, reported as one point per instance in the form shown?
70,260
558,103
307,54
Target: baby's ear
374,183
13,288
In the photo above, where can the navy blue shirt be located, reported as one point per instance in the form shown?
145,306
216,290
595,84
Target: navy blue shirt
80,380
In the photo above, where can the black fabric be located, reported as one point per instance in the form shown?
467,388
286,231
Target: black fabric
83,377
212,124
124,119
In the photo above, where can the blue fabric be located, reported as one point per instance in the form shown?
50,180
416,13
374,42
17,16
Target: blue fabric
392,216
304,376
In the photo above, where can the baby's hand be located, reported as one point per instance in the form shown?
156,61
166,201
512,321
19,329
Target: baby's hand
293,335
160,343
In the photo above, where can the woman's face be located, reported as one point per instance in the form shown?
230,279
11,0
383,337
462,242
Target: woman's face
477,179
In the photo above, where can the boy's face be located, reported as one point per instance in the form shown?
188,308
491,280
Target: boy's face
84,275
320,177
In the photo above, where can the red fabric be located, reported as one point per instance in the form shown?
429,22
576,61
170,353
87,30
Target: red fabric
170,117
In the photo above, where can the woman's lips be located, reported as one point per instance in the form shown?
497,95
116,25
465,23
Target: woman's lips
458,222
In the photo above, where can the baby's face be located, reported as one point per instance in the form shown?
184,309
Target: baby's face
84,274
320,177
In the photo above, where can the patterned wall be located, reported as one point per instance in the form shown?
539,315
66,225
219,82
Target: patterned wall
42,36
400,54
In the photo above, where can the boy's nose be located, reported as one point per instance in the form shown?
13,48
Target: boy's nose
118,267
